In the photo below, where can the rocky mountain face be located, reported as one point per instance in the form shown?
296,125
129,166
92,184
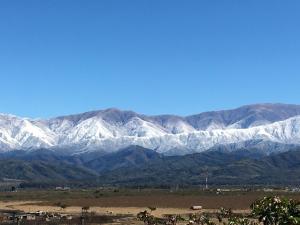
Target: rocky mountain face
110,130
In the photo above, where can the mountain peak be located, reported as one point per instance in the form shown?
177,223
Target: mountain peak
113,129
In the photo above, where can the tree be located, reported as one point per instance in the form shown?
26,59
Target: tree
276,211
152,208
63,206
85,210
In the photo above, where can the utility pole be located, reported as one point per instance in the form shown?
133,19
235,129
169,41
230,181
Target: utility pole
206,179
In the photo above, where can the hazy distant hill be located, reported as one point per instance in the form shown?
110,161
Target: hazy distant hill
136,166
222,168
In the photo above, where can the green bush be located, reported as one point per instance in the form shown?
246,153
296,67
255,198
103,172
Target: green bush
276,211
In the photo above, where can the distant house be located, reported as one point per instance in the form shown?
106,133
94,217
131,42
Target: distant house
62,188
39,213
268,190
196,207
30,217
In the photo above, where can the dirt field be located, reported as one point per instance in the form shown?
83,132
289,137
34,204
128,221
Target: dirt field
131,202
127,215
34,206
166,201
144,198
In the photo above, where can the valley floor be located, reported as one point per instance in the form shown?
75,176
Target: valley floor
128,213
129,202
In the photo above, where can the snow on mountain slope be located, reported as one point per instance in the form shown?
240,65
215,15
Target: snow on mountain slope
112,129
140,128
22,133
285,132
244,117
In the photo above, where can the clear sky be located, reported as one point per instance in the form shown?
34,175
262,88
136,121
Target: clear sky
158,56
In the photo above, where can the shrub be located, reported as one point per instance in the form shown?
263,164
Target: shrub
276,211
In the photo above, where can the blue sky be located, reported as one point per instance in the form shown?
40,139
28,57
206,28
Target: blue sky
154,57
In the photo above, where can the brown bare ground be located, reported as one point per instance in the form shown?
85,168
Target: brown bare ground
27,206
233,201
132,203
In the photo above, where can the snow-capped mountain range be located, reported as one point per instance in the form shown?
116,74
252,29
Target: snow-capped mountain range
113,129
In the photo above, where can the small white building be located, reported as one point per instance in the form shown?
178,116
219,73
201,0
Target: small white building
196,207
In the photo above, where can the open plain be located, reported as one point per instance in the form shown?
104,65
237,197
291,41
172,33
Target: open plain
129,202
